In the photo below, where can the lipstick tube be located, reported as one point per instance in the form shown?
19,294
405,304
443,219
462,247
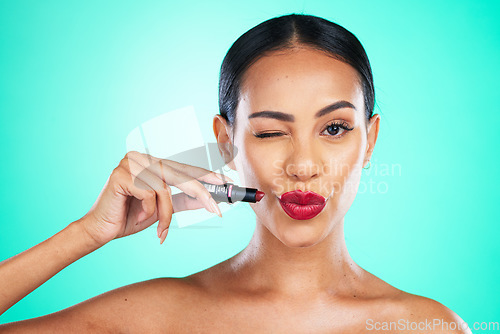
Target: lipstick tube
231,193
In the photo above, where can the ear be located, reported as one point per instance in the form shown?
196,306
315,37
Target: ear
222,132
372,134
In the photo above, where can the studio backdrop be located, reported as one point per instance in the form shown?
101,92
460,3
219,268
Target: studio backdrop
83,82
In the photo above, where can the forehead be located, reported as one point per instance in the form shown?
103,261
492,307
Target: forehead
300,81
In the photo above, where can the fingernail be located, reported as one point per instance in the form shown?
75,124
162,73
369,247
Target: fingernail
163,235
211,207
158,231
216,208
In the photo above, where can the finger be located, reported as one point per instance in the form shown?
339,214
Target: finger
224,178
200,173
136,213
153,163
182,202
146,195
171,176
165,209
163,195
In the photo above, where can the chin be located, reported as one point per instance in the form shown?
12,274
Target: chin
300,236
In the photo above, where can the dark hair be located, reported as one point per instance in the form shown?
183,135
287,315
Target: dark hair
284,32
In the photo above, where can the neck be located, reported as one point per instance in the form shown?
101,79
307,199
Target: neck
267,264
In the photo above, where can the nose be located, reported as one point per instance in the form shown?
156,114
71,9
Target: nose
304,161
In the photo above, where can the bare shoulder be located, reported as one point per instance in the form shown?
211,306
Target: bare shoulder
398,311
417,313
139,307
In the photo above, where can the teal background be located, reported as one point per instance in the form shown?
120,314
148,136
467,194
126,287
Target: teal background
76,77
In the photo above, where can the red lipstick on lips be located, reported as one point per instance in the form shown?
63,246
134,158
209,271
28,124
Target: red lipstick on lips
302,205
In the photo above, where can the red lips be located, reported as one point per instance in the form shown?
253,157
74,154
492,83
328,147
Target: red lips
302,205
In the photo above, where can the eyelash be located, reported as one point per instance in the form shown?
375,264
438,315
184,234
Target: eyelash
340,124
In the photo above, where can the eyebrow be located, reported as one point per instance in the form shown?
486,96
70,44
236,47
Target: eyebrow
281,116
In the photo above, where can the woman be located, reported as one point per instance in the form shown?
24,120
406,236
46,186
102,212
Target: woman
296,99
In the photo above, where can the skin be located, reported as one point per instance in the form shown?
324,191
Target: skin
303,265
295,276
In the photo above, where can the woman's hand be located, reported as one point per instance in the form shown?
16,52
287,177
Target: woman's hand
137,194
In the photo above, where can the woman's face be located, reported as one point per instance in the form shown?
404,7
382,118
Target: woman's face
306,152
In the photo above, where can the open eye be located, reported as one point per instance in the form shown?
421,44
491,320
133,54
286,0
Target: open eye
337,127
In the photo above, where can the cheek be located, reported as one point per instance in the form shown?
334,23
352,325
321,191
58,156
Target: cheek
257,163
345,162
346,173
